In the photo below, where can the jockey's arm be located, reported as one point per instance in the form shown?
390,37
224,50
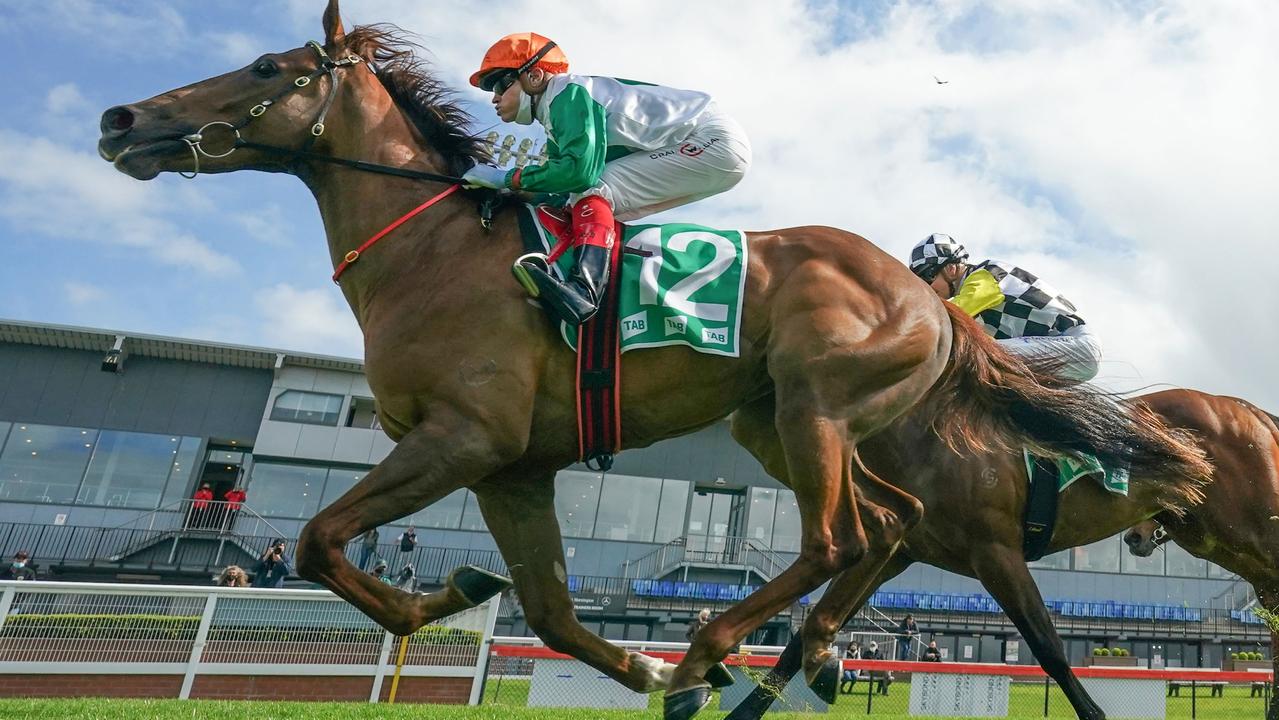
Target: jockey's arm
979,293
576,148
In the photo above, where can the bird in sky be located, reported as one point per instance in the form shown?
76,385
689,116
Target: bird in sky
940,81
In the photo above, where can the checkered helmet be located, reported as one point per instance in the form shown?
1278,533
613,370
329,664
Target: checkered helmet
933,252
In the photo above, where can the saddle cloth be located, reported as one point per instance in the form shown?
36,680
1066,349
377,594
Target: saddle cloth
1070,469
681,284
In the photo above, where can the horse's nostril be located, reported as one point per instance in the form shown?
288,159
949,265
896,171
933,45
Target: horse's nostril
117,119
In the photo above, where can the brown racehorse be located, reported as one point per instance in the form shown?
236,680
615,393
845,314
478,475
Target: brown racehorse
478,391
1232,521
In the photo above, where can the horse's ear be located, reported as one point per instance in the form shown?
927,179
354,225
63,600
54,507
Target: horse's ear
333,32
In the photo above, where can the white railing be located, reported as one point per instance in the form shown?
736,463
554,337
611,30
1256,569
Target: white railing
58,628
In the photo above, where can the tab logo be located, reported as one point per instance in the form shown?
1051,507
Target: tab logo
718,336
677,325
633,325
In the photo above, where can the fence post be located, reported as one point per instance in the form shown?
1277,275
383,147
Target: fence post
197,648
1193,700
6,603
1047,689
870,691
486,642
380,671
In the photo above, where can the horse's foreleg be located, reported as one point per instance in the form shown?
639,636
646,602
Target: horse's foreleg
520,514
886,526
1003,572
430,462
1269,599
848,585
818,457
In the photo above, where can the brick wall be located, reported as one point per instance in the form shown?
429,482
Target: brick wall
134,686
452,691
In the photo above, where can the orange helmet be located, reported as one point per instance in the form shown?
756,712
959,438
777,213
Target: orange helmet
522,52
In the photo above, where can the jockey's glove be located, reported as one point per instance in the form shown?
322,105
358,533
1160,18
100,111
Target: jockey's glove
485,176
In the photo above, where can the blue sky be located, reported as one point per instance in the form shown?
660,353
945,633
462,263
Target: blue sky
1117,150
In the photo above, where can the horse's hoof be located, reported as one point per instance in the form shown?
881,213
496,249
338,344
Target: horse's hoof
719,676
826,682
685,703
476,584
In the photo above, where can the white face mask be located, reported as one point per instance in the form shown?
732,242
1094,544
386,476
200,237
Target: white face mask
524,115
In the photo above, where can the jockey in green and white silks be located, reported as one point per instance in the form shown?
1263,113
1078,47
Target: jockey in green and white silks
1026,315
615,147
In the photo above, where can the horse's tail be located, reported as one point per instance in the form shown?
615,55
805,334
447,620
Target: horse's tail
989,400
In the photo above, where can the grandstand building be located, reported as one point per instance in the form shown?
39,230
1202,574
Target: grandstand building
106,435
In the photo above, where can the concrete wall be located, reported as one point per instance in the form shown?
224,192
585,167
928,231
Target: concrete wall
56,386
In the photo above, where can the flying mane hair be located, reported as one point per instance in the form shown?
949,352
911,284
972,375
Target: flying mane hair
427,101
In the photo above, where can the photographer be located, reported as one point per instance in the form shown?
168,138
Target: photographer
272,567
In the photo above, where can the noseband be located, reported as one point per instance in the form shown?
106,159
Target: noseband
327,66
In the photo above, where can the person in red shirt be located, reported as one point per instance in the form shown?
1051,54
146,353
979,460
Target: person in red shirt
234,499
200,505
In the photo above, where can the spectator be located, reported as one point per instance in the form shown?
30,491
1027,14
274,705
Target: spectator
379,571
695,626
854,652
234,500
408,540
19,568
931,653
368,548
907,631
233,576
272,567
200,506
407,579
879,680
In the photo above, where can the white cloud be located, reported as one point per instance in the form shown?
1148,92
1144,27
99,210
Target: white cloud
56,192
315,320
79,293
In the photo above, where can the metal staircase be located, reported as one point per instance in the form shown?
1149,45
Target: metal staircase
717,552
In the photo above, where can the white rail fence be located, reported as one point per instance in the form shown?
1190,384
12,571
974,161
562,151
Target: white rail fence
58,628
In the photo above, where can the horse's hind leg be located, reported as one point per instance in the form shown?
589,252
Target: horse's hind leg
433,460
520,514
1003,572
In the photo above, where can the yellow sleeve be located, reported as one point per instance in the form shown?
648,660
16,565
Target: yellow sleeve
980,292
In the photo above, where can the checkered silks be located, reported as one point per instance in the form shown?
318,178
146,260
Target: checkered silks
1031,306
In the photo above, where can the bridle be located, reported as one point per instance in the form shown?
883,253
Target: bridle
327,66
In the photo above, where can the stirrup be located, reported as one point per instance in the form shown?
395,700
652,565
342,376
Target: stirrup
520,272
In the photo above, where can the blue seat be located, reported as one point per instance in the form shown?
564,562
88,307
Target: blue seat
804,601
990,605
641,587
1131,612
1179,614
684,589
919,601
941,602
707,591
727,592
574,583
1114,610
665,588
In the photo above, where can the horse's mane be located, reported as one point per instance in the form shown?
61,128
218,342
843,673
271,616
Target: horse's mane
424,98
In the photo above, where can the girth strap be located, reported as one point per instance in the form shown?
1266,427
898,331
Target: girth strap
1040,518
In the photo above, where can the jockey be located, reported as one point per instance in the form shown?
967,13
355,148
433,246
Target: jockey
1025,314
615,147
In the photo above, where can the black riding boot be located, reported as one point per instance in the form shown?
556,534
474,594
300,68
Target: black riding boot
576,299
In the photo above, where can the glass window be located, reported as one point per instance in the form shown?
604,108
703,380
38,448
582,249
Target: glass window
307,407
1056,561
185,458
1153,565
340,480
786,523
577,495
472,518
362,414
628,508
1101,556
670,511
291,491
443,513
1182,563
44,463
128,469
759,519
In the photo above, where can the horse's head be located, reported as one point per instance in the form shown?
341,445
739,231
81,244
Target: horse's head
231,122
1144,537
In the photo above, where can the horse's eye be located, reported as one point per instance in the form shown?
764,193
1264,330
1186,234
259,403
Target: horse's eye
265,69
